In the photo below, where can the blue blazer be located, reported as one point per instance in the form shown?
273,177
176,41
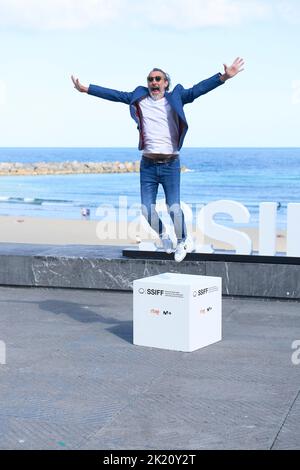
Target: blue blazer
176,98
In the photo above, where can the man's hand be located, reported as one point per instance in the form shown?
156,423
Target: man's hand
78,85
231,71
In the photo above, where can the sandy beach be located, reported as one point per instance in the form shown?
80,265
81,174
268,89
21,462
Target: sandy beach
93,232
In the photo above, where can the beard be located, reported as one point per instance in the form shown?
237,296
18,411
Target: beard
157,96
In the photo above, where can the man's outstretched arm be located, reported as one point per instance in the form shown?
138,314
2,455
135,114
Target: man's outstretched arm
101,92
203,87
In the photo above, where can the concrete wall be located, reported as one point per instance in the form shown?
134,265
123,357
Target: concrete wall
103,267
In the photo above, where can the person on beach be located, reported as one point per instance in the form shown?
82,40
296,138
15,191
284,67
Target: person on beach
162,126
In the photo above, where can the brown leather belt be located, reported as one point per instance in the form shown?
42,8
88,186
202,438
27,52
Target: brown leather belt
161,160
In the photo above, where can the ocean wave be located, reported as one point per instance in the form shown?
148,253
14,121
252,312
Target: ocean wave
33,200
56,203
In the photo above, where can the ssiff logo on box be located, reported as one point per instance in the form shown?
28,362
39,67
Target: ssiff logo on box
205,290
151,291
196,293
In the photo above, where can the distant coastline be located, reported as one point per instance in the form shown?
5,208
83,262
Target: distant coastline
66,167
69,167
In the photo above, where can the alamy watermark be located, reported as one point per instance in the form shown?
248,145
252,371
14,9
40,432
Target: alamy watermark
295,358
131,222
2,353
137,222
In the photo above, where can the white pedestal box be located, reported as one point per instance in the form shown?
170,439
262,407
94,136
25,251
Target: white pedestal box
182,312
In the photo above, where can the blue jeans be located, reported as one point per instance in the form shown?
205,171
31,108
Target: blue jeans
168,175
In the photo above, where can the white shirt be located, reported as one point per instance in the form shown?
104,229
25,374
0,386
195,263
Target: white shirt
159,126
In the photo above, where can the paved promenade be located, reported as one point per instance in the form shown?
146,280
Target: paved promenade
73,380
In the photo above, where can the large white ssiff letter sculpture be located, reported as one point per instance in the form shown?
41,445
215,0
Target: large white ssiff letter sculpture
240,241
293,229
267,226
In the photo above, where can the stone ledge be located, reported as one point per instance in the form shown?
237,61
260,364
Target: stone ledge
104,267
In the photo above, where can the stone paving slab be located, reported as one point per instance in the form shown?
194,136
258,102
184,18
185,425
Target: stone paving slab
74,380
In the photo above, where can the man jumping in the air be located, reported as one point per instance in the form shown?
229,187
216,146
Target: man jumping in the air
162,126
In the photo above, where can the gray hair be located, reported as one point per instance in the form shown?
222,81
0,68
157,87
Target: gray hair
166,76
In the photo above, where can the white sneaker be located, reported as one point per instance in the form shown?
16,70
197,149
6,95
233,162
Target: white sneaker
181,251
167,244
190,244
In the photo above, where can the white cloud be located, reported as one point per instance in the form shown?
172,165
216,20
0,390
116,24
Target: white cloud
57,14
289,10
173,14
188,14
3,93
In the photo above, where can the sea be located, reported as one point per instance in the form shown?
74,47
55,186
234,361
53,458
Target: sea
246,175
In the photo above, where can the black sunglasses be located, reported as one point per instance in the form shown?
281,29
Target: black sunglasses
151,79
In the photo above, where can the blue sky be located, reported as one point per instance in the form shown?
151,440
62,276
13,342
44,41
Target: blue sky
116,43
